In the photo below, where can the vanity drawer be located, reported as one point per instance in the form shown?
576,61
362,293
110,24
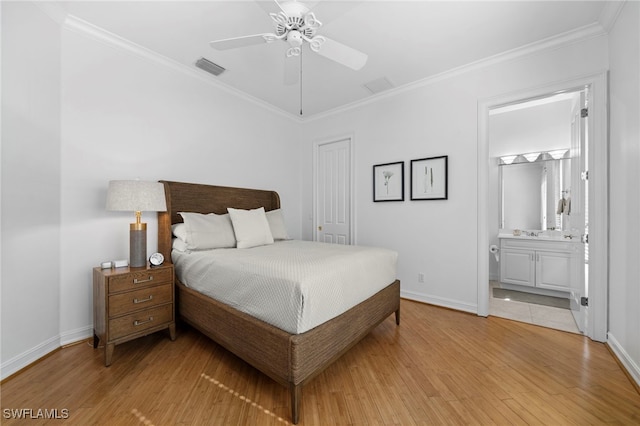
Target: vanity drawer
139,279
143,298
140,321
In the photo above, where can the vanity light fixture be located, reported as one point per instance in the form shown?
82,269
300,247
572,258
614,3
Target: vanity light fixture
558,153
545,157
533,157
507,159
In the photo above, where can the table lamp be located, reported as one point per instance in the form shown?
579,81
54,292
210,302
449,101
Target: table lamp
136,196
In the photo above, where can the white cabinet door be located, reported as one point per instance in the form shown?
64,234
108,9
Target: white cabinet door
517,267
553,270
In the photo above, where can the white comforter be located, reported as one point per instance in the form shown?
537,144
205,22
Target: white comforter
293,285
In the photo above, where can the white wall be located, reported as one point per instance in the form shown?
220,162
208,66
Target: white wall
30,184
439,117
119,116
624,185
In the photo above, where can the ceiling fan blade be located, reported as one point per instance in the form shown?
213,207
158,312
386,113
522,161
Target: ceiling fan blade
329,11
291,70
270,6
235,42
342,54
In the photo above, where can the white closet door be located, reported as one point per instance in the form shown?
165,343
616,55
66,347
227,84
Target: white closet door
333,194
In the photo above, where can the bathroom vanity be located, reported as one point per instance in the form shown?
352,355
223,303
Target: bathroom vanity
539,264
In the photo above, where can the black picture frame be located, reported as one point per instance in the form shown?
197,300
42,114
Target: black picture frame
429,178
388,182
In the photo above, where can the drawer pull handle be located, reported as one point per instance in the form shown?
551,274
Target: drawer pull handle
136,322
136,300
137,281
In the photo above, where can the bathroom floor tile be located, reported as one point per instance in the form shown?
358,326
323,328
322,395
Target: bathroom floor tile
545,316
511,310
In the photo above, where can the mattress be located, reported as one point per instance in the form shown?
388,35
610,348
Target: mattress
293,285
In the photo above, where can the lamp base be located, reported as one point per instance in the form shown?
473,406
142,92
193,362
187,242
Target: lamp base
138,245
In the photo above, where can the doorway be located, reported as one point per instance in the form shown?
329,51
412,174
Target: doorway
333,205
595,199
538,149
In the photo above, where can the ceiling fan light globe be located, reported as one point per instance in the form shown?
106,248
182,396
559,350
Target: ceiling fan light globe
294,38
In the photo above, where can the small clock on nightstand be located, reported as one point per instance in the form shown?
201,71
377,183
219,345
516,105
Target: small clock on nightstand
156,259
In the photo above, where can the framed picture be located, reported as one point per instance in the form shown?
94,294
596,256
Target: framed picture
429,178
388,182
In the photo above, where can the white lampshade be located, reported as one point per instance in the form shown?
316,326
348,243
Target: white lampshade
136,196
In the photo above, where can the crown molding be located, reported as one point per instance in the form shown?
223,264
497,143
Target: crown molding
73,23
52,10
580,34
82,27
610,13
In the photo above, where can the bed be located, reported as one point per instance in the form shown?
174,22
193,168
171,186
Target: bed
289,358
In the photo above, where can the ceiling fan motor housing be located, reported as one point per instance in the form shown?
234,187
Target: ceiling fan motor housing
295,23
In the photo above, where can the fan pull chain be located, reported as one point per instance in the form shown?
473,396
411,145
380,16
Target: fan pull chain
300,81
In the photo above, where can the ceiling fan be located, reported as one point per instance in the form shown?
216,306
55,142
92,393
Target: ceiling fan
296,25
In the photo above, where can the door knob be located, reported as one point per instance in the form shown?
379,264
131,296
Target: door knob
319,228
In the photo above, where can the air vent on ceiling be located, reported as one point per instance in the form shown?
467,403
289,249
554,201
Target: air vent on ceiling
379,85
209,66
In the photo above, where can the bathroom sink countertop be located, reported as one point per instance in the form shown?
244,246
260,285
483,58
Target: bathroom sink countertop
540,236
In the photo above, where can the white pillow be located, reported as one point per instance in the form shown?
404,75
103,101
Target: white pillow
251,227
276,224
208,231
179,245
179,231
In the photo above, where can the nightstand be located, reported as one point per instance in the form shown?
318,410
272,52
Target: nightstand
131,302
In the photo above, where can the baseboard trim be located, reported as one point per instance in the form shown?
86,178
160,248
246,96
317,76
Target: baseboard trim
35,354
19,362
74,336
439,301
632,369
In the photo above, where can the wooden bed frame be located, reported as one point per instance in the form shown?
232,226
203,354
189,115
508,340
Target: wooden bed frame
289,359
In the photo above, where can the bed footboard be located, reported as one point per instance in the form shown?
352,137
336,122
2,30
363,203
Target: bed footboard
289,359
313,351
263,346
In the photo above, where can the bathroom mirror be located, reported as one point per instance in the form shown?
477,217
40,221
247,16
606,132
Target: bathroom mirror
531,194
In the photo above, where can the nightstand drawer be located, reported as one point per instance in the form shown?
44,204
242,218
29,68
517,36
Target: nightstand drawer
140,321
135,280
144,298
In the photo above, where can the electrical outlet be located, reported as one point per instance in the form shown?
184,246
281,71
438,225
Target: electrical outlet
420,277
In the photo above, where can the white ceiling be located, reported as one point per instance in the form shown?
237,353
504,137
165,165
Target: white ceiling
406,41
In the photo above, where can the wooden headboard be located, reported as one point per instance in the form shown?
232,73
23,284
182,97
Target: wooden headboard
199,198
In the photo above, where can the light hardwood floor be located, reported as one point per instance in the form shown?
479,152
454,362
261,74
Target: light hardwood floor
438,367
